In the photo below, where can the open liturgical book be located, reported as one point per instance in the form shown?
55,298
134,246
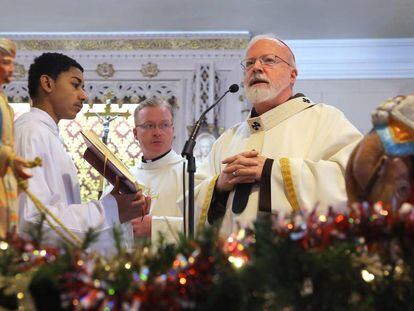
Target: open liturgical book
108,165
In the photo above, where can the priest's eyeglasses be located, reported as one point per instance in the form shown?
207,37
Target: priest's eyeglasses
152,126
268,60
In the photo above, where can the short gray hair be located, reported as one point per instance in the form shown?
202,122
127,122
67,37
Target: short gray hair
274,38
152,102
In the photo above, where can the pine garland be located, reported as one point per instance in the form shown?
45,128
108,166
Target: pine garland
359,260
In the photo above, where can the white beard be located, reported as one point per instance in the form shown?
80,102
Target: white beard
260,94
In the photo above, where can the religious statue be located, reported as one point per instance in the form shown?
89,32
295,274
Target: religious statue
380,168
11,166
203,146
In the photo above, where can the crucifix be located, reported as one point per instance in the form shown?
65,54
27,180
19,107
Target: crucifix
107,116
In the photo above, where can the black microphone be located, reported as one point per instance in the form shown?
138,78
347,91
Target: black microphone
234,88
189,145
188,153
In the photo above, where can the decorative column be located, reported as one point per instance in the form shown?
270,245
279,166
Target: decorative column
204,90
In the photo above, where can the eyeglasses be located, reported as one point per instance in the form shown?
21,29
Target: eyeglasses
268,60
152,126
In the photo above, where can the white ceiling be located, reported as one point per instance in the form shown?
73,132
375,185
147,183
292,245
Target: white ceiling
290,19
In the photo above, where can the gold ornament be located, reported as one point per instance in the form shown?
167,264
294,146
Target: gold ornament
133,44
105,70
19,71
149,70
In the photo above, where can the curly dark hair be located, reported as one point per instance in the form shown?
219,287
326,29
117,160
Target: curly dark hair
51,64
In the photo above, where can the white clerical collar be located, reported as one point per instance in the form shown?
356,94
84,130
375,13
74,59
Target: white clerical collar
170,158
278,114
45,118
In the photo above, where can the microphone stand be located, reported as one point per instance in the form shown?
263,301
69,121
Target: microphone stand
188,153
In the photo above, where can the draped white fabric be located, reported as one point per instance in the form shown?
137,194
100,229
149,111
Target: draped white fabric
56,184
164,177
317,141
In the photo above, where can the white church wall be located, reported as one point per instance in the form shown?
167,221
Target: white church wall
354,75
194,70
355,97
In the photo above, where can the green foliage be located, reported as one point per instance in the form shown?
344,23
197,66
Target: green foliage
91,237
45,284
280,273
36,231
8,301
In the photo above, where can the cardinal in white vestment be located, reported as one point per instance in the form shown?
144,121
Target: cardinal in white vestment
56,89
288,156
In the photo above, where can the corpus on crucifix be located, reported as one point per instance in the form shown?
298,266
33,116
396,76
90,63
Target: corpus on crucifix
107,116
